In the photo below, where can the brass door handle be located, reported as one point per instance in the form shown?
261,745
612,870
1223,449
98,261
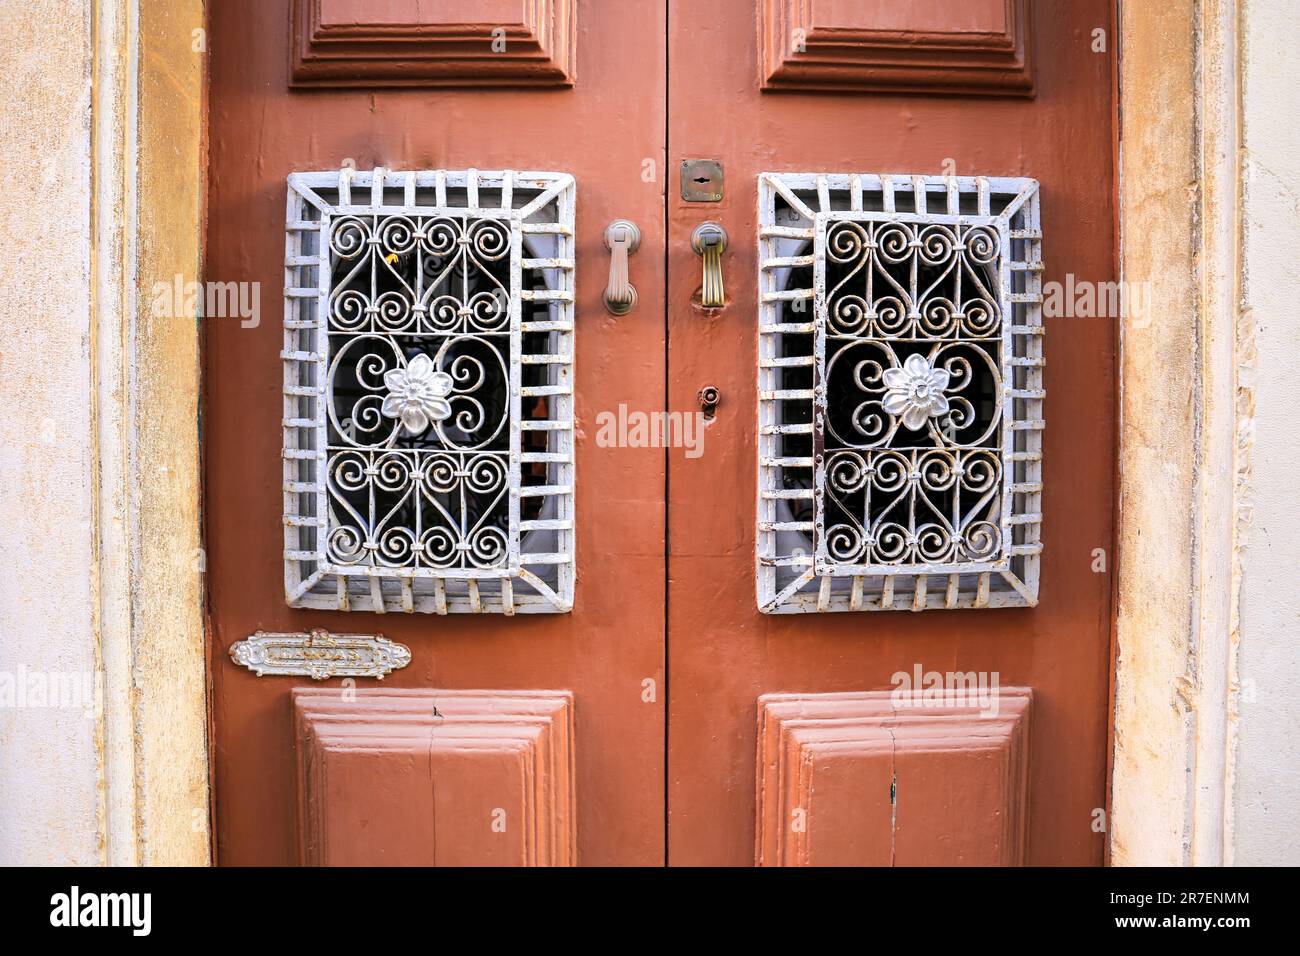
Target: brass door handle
709,240
622,237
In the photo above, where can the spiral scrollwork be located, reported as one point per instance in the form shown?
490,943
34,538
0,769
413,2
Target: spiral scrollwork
917,507
418,469
892,279
911,466
403,509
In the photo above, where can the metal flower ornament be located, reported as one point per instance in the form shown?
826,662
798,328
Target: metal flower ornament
915,391
417,394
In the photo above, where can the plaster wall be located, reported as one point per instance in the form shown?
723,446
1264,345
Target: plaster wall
50,756
1267,792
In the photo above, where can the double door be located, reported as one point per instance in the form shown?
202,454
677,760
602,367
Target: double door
798,554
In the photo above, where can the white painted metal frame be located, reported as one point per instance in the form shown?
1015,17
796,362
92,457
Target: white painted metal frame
795,572
535,571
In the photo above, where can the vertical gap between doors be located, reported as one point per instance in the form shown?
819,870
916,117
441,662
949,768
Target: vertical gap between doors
665,177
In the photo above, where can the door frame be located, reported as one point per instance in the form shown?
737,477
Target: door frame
1183,451
1180,76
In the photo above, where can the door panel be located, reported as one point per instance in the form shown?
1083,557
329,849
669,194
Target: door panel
726,657
833,767
382,781
585,98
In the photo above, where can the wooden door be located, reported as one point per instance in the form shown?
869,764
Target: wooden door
790,739
757,661
508,739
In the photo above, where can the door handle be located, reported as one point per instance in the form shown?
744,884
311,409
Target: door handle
709,240
622,237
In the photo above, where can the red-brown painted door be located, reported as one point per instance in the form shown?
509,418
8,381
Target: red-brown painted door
547,741
718,599
790,739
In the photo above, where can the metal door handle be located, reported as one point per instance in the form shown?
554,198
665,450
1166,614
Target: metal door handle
709,240
621,239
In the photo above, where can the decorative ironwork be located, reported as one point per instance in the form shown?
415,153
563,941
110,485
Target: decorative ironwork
900,422
320,655
428,391
910,466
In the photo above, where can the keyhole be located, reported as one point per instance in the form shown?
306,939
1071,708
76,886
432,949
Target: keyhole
709,397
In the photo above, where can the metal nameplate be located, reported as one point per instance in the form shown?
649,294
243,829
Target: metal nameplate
320,655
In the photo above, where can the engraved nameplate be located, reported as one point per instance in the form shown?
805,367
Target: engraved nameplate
320,655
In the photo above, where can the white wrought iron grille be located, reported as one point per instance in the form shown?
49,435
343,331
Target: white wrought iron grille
428,391
901,393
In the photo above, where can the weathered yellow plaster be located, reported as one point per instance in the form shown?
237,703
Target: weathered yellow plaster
171,703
